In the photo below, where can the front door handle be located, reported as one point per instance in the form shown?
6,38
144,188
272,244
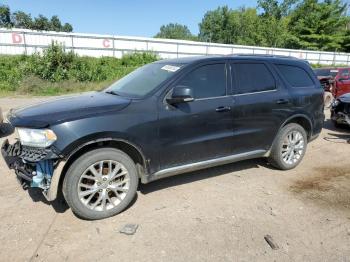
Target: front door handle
223,109
282,101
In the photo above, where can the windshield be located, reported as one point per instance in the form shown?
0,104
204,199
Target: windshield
326,72
143,80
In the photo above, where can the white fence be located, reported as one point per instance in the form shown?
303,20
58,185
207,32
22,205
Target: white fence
20,41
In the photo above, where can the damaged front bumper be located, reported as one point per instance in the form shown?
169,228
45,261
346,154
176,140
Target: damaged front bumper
340,118
34,167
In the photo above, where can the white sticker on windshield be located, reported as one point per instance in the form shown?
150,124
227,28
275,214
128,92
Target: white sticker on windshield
334,71
170,68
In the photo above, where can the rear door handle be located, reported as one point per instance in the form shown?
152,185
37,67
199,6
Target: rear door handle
282,101
223,109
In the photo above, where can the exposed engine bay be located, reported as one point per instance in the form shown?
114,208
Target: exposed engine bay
340,110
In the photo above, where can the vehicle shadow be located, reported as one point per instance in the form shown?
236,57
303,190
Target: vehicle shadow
202,174
339,134
6,130
329,125
59,204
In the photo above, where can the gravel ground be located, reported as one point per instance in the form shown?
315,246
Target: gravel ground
218,214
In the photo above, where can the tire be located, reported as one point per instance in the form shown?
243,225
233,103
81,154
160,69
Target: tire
338,125
112,191
279,156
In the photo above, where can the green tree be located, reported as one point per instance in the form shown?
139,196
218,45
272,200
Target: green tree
42,23
175,31
5,16
319,25
215,26
67,28
346,40
224,25
246,27
275,8
55,24
22,20
274,21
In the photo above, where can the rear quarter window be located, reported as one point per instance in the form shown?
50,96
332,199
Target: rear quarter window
295,76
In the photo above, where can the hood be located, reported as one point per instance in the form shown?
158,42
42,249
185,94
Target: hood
344,98
66,109
324,77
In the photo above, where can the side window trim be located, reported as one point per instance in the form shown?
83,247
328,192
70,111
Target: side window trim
257,92
235,83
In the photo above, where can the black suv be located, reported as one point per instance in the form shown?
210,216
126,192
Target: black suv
165,118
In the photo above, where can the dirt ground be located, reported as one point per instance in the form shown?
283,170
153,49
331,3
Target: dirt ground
218,214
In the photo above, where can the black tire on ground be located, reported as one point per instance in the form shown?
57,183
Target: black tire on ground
337,125
275,157
71,180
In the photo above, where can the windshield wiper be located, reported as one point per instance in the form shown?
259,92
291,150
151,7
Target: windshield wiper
112,93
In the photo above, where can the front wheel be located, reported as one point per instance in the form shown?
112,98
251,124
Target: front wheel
100,183
289,147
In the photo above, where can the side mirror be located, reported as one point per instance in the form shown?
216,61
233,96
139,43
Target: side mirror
181,94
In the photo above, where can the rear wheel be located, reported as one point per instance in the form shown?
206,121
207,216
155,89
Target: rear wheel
289,147
336,124
100,183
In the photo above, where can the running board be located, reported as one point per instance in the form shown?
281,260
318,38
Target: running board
202,165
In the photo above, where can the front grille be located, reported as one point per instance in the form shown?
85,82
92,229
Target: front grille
33,154
346,108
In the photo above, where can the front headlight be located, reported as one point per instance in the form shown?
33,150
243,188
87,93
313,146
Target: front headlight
36,137
335,102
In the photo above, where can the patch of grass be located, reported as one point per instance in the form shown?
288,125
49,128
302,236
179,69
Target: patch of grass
33,85
327,66
58,72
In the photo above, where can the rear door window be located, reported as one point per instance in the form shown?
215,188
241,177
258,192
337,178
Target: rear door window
252,78
295,76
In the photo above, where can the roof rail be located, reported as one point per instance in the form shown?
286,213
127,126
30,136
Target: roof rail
265,55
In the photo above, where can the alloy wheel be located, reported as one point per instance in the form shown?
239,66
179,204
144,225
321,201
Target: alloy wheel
293,147
103,185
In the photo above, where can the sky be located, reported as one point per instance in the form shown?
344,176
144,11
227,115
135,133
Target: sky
128,17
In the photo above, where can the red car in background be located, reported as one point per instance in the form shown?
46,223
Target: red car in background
334,80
